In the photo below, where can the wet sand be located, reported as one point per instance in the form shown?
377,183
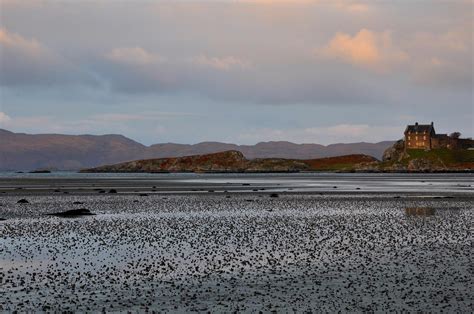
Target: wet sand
227,243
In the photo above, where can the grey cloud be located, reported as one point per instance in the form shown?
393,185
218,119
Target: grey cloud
232,79
26,61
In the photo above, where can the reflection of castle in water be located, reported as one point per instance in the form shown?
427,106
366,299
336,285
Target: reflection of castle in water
419,211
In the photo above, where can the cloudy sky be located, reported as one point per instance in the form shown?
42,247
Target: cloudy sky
236,71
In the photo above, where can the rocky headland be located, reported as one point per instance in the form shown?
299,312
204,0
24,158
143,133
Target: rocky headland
395,159
399,159
235,161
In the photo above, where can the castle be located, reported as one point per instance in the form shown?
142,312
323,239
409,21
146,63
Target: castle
423,136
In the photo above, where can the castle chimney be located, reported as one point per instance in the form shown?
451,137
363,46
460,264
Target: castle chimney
432,123
416,123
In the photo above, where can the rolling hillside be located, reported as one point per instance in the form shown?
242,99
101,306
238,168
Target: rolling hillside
20,151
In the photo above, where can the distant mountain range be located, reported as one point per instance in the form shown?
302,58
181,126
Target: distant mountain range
20,151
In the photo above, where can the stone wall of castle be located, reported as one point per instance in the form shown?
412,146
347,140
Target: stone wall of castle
451,143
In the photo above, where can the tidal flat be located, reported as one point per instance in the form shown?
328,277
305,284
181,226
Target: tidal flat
247,243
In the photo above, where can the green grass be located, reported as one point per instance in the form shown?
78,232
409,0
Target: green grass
335,167
447,156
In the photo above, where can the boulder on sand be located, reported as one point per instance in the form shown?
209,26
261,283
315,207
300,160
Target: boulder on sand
73,213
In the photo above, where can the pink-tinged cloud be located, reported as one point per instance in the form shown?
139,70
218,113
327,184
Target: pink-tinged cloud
12,41
352,6
366,48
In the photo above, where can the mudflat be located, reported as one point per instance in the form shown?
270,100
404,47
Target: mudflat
219,243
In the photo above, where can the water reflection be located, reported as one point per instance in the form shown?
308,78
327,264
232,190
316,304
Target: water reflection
419,211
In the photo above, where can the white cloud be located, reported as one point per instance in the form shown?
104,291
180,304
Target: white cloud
134,55
142,116
92,123
4,118
341,133
224,63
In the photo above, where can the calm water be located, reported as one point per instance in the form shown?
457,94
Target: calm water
300,181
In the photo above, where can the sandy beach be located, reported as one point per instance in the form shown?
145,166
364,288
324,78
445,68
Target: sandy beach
221,243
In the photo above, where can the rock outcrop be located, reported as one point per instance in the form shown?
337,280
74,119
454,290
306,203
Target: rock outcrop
426,165
396,160
234,161
399,159
395,153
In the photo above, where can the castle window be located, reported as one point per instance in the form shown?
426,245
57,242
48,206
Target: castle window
424,137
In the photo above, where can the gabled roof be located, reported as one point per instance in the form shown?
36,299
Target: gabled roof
420,128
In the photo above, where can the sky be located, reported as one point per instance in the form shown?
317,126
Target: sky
304,71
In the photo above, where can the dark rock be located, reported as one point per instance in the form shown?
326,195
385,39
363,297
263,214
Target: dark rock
78,203
2,219
40,171
395,152
113,191
425,165
23,201
73,213
274,195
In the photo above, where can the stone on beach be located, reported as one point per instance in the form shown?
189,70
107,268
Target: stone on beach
73,213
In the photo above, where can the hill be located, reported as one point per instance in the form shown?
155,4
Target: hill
56,151
20,151
234,161
396,158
